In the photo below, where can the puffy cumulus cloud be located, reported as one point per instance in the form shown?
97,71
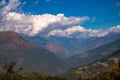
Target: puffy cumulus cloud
45,24
97,33
74,29
32,24
79,31
115,29
12,5
67,32
58,32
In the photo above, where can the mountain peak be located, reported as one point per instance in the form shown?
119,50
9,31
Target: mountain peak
8,34
11,40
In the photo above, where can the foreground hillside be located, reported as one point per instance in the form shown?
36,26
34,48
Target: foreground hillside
33,58
13,73
95,68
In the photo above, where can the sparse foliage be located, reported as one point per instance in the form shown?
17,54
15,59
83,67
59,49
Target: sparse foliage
13,74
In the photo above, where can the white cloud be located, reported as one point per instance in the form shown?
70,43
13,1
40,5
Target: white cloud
97,33
67,32
12,5
57,32
115,29
74,29
33,24
46,24
79,31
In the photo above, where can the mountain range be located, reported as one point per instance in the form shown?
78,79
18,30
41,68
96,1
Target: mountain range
52,46
59,55
93,69
72,46
31,57
94,54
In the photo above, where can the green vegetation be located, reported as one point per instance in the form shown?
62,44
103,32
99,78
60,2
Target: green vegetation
92,70
111,74
95,68
14,73
28,76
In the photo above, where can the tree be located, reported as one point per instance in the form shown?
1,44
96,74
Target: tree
11,73
9,67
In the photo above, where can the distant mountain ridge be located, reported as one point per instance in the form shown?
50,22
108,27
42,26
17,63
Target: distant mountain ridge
94,54
73,45
52,46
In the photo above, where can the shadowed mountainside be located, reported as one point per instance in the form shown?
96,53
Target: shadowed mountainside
32,58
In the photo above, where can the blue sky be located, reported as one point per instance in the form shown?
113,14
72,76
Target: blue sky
105,13
66,18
